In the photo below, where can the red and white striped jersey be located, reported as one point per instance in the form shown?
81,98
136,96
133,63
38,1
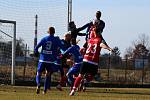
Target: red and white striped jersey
93,51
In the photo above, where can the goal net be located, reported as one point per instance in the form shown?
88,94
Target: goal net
49,12
7,50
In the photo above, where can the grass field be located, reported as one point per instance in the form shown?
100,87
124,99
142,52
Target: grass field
28,93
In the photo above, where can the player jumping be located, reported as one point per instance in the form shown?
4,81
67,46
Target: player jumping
91,57
78,59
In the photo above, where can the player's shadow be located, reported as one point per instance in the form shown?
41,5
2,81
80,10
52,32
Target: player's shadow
116,92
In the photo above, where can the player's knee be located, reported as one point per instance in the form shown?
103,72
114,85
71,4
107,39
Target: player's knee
80,75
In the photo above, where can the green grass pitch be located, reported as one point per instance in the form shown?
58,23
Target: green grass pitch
28,93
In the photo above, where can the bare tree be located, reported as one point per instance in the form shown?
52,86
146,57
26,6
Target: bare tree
20,47
140,51
142,39
141,42
116,51
129,52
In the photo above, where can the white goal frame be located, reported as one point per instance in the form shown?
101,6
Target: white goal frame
13,49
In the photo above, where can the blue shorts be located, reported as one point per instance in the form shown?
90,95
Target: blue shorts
74,70
42,66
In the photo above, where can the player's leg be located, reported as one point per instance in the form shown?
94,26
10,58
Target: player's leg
59,86
87,78
69,75
48,84
76,84
83,70
82,84
74,70
93,69
47,81
63,69
59,67
38,76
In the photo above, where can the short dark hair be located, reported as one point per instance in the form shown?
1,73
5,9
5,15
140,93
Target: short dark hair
51,30
98,14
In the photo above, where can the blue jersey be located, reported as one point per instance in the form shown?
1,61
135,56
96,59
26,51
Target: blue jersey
49,48
75,51
66,44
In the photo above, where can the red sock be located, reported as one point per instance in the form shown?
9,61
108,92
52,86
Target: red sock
77,82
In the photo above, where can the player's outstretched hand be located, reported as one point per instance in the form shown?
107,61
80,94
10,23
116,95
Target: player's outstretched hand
112,50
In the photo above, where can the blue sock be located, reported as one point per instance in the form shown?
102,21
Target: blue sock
47,83
38,78
71,80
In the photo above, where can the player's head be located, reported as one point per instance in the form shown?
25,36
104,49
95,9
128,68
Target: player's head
67,36
98,14
73,41
51,30
71,25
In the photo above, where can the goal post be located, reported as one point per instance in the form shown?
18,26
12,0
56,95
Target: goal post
50,13
13,39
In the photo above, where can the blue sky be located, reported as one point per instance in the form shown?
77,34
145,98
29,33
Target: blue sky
125,19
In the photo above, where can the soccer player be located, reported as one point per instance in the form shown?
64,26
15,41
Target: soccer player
47,57
91,57
57,68
66,44
66,41
100,25
75,31
63,65
74,50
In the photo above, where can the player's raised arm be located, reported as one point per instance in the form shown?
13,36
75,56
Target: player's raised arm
75,31
103,41
83,27
102,45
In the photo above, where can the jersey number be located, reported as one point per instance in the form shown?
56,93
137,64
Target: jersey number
48,45
91,48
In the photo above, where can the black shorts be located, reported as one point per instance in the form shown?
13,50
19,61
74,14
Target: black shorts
63,63
88,68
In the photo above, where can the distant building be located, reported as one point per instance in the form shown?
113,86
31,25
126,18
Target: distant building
140,63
